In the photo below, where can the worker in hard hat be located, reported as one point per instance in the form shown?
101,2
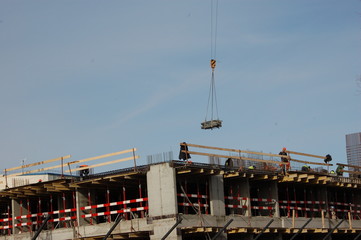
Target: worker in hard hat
284,167
339,170
305,168
252,167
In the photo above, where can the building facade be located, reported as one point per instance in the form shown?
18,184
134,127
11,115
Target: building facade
353,149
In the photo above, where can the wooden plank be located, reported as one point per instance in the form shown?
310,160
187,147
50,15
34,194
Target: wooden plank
103,156
232,150
306,154
38,163
353,172
346,165
308,162
103,164
78,161
235,157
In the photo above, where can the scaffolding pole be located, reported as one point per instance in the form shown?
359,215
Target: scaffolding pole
172,228
300,230
264,229
41,227
117,221
222,229
332,230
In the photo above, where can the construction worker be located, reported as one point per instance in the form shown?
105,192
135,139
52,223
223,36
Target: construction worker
332,171
305,168
284,167
183,153
339,170
84,172
327,159
228,164
252,167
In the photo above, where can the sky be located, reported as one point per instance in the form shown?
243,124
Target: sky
89,77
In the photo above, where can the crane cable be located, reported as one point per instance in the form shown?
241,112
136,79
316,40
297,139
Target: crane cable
212,97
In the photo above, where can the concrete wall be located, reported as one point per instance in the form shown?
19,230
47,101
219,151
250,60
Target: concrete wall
162,199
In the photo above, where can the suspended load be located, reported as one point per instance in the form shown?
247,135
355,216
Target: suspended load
212,104
212,108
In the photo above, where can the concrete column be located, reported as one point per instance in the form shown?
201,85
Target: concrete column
324,197
244,191
216,199
162,200
274,195
216,196
15,211
81,201
268,190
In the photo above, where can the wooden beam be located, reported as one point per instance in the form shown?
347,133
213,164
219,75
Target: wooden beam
232,150
103,156
306,154
38,163
308,162
257,153
103,164
235,157
353,172
346,165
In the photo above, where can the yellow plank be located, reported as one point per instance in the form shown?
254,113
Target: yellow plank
103,164
38,163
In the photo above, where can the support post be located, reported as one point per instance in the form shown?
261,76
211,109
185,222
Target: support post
117,221
264,229
41,227
300,230
172,228
332,230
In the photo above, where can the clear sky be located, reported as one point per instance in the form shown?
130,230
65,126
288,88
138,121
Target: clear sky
86,77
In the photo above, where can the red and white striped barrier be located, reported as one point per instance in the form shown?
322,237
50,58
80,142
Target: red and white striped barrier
300,208
192,195
193,204
46,213
262,208
5,219
236,206
302,202
115,203
236,198
114,212
344,204
6,227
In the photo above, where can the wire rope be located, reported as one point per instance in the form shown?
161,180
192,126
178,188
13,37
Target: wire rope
212,105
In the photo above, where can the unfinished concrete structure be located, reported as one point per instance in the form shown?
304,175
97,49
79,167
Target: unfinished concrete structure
182,200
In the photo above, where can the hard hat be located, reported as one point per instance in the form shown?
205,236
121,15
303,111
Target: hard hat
284,149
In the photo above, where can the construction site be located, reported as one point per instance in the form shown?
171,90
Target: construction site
238,194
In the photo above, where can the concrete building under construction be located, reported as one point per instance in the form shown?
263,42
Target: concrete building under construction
236,195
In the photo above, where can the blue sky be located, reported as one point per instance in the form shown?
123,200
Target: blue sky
92,77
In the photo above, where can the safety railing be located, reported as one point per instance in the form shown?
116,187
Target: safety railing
256,205
199,202
104,208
